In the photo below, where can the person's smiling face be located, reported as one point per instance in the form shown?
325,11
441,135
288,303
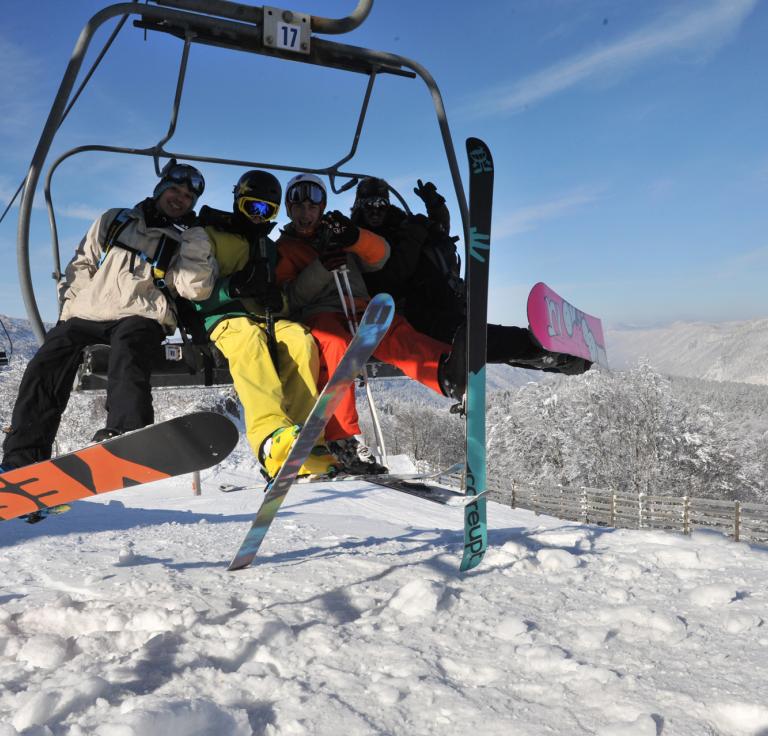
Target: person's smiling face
176,201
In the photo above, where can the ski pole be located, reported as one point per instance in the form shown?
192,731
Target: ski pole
347,299
348,309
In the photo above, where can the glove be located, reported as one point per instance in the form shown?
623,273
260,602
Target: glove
428,194
333,259
253,282
342,232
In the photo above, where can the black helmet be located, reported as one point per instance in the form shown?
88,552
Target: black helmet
257,195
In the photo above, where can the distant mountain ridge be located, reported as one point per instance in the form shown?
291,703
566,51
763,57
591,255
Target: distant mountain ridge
724,351
22,340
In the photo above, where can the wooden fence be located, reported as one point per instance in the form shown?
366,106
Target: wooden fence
747,522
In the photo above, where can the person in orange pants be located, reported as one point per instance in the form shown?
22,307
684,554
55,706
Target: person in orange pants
310,249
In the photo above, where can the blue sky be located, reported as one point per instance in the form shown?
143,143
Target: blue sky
629,138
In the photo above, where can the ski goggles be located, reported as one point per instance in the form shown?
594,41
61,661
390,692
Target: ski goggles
374,203
258,209
305,191
185,174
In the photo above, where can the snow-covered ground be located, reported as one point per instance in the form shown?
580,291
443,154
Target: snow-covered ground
119,618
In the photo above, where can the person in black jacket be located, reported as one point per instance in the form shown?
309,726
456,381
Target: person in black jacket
423,276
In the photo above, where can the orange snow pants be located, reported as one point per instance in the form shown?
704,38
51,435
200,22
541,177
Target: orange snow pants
414,353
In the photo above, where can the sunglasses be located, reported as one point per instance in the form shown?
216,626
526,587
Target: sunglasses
305,191
374,203
189,175
258,209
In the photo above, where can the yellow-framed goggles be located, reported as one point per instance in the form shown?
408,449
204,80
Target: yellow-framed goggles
258,210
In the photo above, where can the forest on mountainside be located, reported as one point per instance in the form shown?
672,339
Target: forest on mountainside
631,431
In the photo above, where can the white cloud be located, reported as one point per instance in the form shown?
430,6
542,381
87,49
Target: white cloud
527,218
80,212
704,29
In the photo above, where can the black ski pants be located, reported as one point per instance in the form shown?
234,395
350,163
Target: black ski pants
47,382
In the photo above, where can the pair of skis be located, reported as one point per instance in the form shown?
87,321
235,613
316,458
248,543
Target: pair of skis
371,330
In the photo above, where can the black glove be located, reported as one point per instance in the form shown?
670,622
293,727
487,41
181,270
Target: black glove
333,258
341,231
428,194
253,282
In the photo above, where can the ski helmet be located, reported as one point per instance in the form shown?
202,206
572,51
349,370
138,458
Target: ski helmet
257,196
371,191
303,187
175,173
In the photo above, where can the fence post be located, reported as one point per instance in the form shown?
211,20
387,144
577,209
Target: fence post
613,508
640,514
584,511
196,486
737,521
686,515
513,500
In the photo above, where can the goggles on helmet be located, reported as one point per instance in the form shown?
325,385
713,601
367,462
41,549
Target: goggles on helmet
185,174
305,191
258,209
374,203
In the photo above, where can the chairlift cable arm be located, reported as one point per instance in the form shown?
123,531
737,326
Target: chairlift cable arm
255,14
343,25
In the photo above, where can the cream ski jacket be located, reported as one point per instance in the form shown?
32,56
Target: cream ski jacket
122,285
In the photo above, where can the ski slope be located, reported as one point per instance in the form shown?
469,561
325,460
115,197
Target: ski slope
118,619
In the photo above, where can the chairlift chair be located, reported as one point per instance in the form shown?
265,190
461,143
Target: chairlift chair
279,33
269,31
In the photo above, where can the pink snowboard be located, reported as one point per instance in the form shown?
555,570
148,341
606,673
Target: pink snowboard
561,328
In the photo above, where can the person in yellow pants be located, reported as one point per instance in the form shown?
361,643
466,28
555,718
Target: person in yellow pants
274,362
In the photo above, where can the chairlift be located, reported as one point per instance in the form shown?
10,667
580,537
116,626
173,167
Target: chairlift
279,33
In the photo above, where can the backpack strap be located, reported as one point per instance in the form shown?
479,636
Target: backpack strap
167,247
114,231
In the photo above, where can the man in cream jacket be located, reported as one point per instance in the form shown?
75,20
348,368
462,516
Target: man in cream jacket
118,289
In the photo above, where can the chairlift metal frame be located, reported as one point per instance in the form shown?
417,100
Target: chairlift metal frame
238,27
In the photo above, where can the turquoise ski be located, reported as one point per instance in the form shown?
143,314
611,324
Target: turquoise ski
372,328
477,260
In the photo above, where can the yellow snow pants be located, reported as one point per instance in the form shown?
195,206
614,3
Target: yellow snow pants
270,399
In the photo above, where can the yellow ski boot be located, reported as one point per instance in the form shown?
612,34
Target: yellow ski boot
276,447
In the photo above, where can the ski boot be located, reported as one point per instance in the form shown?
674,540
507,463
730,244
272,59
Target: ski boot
274,450
356,458
452,370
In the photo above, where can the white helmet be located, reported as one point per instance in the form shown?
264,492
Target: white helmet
305,187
